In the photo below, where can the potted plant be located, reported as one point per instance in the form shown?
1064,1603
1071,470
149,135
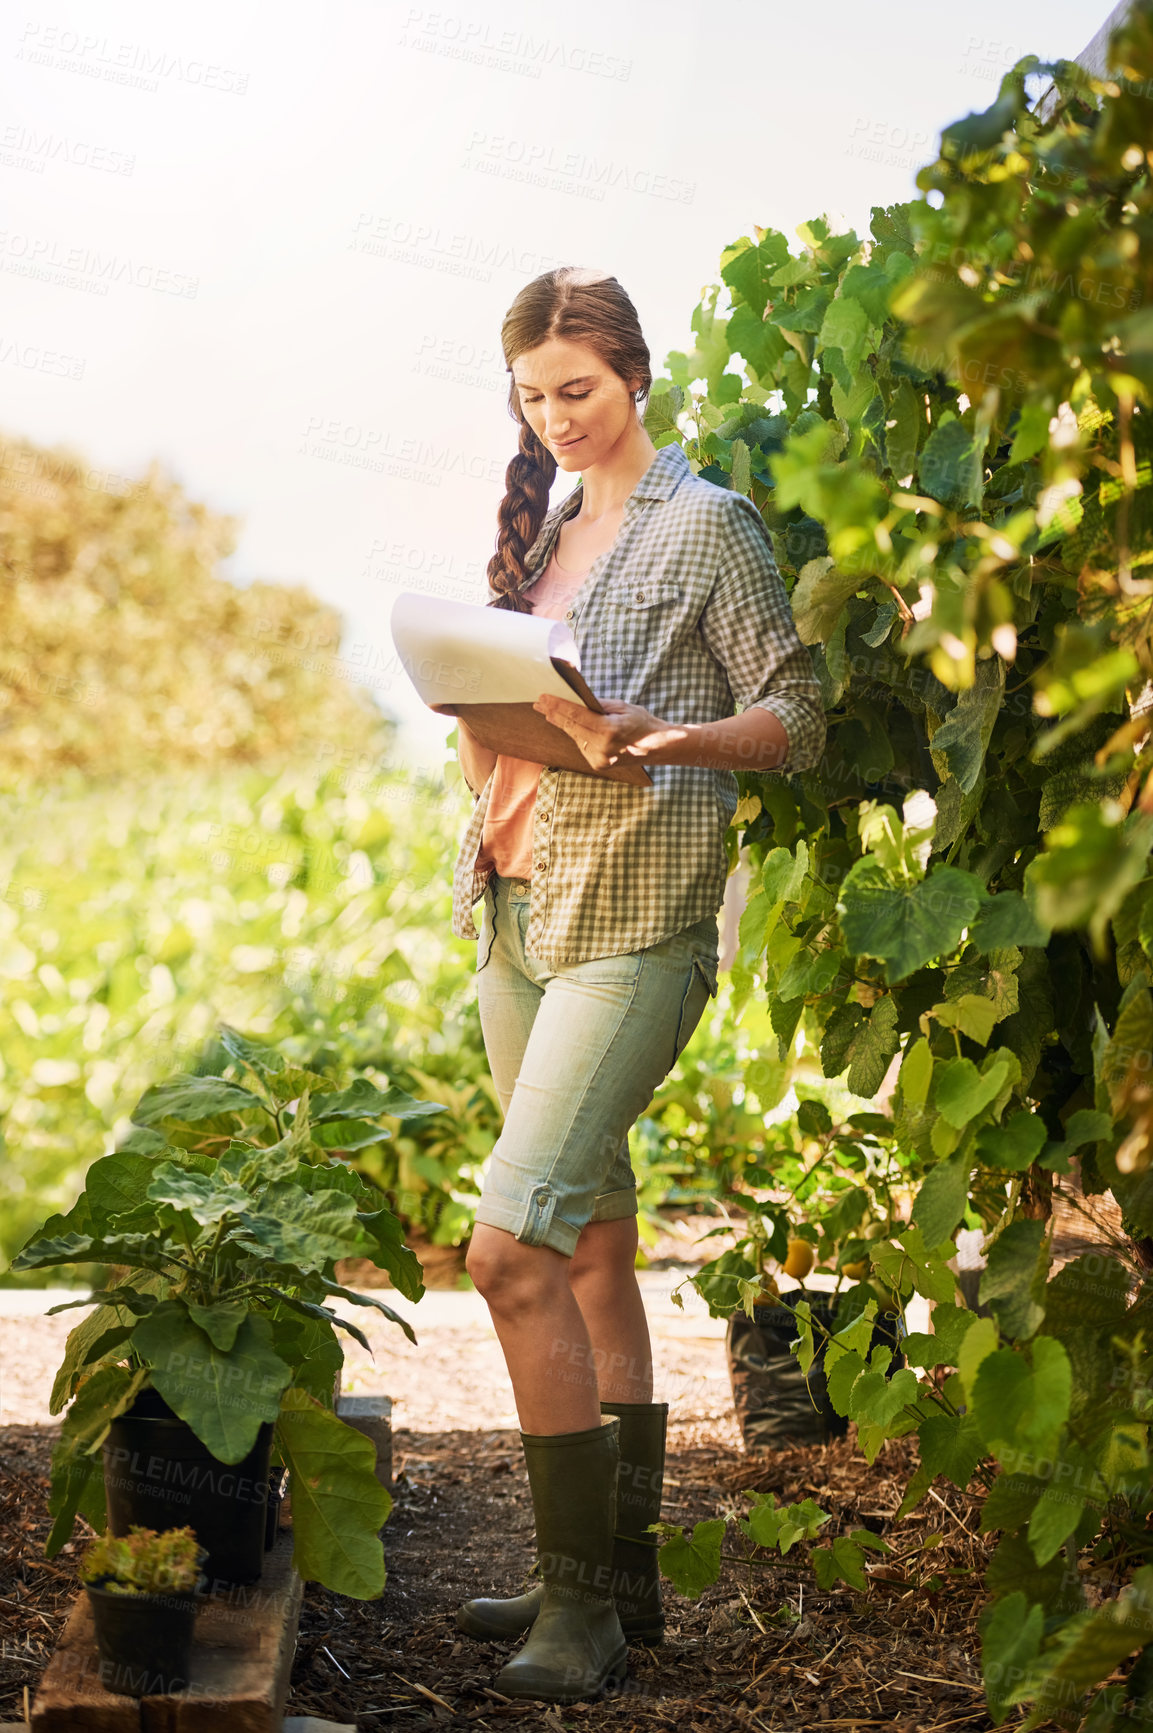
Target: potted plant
213,1347
142,1590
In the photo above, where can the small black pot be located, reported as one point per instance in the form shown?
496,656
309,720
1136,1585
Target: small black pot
157,1473
145,1641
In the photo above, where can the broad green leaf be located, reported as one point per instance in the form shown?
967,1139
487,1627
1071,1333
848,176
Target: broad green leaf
951,1445
763,1522
916,1073
971,1013
307,1230
224,1397
1100,1641
115,1184
390,1253
864,1042
220,1322
960,743
138,1250
266,1060
1055,1516
77,1475
949,464
1019,1408
1015,1144
1013,1280
979,1341
1010,1638
940,1203
951,1324
191,1098
845,1559
363,1099
338,1505
84,1345
692,1563
205,1200
800,1522
907,416
1092,1289
907,926
963,1092
1006,919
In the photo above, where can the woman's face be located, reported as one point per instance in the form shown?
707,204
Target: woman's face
574,402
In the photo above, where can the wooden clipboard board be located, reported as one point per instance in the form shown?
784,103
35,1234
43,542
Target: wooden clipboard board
520,731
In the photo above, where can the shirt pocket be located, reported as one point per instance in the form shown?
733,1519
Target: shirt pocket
642,616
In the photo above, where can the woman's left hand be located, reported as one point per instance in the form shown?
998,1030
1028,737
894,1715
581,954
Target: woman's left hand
626,730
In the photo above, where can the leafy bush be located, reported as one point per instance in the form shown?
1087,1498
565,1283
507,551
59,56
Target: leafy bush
947,429
223,1216
143,1562
126,651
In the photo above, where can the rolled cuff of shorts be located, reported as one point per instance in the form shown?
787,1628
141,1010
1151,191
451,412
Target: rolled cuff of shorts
498,1212
615,1206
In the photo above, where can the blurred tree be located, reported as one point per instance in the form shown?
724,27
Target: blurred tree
124,651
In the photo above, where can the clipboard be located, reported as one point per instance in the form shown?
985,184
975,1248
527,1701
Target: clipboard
488,666
520,731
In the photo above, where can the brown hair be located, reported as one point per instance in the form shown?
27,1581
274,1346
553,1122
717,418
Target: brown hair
584,307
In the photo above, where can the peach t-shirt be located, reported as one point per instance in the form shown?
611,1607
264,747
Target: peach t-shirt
506,844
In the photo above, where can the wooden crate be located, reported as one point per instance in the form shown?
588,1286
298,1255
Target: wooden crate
241,1662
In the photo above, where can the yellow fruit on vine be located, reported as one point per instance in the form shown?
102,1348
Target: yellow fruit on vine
770,1293
800,1260
856,1271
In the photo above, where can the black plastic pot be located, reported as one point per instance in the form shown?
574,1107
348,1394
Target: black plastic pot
775,1403
145,1641
157,1473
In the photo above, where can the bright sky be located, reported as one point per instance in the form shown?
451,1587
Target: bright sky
272,247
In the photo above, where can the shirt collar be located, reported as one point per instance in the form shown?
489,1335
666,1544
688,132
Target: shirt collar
660,481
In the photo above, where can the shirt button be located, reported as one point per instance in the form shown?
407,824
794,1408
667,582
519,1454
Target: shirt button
640,595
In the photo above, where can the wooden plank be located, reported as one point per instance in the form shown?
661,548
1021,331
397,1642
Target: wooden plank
241,1663
371,1415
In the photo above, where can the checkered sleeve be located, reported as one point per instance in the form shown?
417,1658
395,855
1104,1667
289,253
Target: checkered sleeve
748,626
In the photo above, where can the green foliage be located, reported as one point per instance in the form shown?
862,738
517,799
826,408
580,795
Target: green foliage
309,907
225,1212
125,650
947,426
144,1562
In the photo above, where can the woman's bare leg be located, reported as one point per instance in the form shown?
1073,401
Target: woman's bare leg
573,1330
540,1328
602,1276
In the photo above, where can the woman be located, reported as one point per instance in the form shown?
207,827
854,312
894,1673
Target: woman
598,949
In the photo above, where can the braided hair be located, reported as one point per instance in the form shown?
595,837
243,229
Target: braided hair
584,307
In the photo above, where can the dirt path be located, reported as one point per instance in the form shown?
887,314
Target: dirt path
762,1649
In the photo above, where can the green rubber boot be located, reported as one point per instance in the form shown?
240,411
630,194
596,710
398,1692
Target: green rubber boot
575,1647
636,1579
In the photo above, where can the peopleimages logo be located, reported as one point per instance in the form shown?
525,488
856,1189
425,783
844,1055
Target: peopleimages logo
568,171
135,64
24,147
475,40
84,268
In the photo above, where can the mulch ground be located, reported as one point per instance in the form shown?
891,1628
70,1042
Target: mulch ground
763,1648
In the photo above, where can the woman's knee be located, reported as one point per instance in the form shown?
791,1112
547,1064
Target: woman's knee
606,1252
509,1273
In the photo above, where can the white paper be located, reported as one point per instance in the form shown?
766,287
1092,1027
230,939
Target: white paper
460,653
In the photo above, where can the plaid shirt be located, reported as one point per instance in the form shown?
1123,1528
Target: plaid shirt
686,615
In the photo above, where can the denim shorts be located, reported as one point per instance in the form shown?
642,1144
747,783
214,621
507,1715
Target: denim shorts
576,1055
